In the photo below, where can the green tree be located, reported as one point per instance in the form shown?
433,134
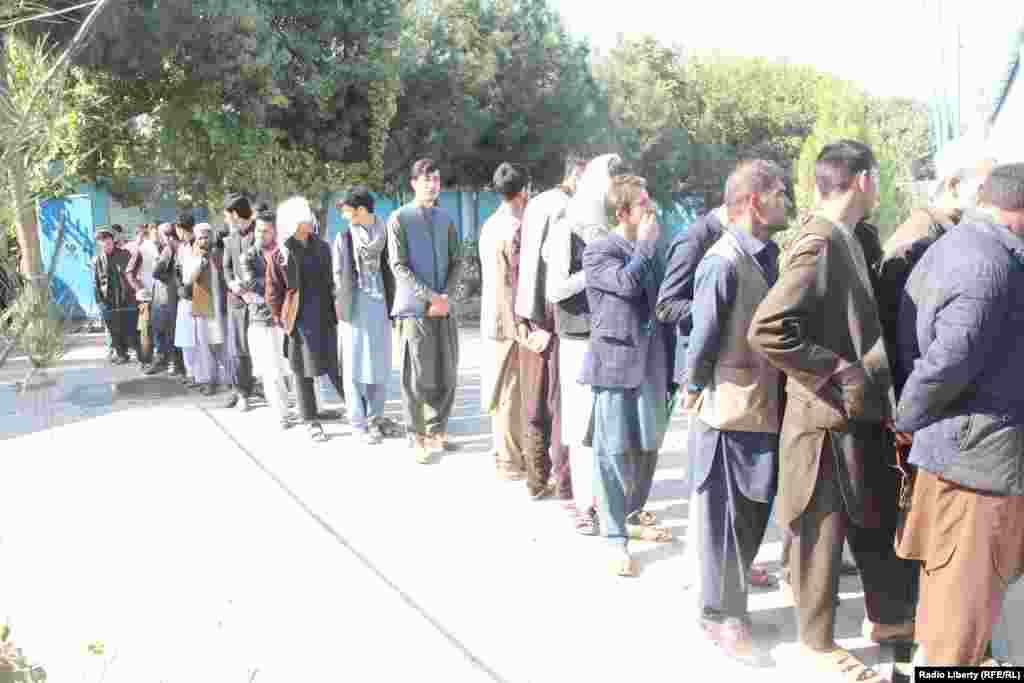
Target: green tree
646,90
841,113
486,82
758,107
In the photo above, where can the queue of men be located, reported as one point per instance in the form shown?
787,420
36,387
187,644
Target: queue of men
860,395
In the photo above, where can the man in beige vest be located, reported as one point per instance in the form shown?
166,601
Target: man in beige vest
819,325
736,395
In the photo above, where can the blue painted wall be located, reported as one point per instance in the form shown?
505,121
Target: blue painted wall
72,285
92,208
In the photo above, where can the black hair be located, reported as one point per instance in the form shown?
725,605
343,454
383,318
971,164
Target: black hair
839,163
509,180
358,197
186,221
423,167
238,203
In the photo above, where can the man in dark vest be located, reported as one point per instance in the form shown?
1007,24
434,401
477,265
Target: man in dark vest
735,396
423,246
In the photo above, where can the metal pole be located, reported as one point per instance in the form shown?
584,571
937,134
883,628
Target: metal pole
959,109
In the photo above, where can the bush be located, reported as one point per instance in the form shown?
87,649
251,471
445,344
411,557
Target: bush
14,665
43,325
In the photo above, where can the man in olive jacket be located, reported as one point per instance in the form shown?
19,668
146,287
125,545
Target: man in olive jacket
820,326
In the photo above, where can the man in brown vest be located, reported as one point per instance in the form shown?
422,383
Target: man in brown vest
820,326
736,396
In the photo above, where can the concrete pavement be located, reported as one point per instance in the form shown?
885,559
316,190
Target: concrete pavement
201,544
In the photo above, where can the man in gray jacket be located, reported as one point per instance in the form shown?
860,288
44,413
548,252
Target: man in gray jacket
963,409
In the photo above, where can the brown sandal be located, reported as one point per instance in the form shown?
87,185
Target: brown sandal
848,665
642,518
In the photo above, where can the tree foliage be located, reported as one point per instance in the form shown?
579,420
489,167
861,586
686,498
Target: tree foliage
648,94
487,82
759,108
289,64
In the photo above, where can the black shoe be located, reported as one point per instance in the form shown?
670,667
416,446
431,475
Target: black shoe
156,368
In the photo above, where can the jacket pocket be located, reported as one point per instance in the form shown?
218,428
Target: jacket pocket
618,351
956,428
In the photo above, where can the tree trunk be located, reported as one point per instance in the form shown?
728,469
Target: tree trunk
27,227
3,89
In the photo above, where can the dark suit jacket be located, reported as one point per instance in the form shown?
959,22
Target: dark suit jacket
675,298
621,293
817,321
235,246
284,291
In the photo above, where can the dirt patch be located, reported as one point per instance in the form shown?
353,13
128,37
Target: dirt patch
153,388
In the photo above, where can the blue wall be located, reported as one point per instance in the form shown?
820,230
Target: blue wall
72,285
91,208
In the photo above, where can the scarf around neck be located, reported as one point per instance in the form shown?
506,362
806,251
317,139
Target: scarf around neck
368,242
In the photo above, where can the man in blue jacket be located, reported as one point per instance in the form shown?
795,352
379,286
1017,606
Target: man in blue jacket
961,323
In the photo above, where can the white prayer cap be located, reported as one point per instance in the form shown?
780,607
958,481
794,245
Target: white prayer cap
290,213
587,206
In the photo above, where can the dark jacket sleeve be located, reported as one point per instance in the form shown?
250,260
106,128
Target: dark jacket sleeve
277,284
963,320
713,298
781,327
133,270
251,280
675,298
230,247
164,268
625,279
97,265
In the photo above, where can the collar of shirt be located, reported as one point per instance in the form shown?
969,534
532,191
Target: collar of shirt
764,252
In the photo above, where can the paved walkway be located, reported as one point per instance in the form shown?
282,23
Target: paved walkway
201,544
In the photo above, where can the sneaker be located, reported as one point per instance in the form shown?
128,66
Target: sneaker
243,403
158,366
232,400
369,437
376,432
